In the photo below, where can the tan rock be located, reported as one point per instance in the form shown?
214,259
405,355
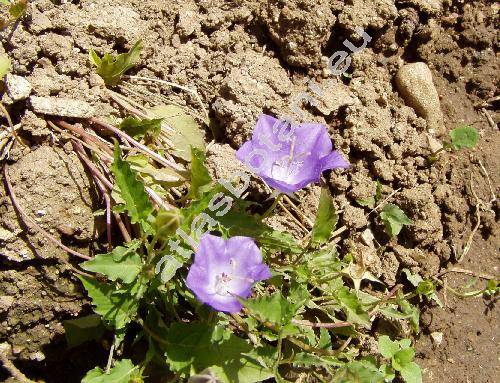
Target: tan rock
61,107
414,83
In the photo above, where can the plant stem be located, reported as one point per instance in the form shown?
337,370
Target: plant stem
174,166
269,211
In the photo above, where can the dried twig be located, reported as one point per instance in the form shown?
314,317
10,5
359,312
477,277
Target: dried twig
479,205
102,182
321,325
11,125
468,272
162,160
493,195
384,201
9,366
174,85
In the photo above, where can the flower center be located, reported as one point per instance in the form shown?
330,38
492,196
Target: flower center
221,284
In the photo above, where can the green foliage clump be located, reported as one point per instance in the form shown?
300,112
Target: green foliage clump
311,316
111,68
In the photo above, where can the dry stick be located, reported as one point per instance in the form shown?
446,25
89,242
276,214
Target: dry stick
493,196
9,366
103,181
174,85
107,201
489,118
384,201
125,105
468,272
11,125
33,222
303,216
384,299
321,325
162,160
86,136
281,205
479,204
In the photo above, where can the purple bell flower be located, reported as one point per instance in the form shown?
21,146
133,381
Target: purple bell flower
288,157
224,270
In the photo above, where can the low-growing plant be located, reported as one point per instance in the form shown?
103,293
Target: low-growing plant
111,68
464,137
254,304
17,8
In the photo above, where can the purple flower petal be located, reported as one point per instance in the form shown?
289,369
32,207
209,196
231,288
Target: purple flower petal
334,161
224,270
289,162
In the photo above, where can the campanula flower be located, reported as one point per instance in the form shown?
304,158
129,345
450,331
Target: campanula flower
289,157
224,270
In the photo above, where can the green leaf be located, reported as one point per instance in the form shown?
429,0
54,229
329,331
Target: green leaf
394,219
378,191
5,65
18,8
280,241
122,263
138,128
411,373
410,310
164,175
414,279
272,308
200,178
387,347
115,308
112,68
130,189
186,133
193,347
464,137
362,371
326,219
167,222
367,202
122,372
402,358
350,302
83,329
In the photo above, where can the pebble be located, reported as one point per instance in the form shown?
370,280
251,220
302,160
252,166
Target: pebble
63,107
18,88
414,83
5,302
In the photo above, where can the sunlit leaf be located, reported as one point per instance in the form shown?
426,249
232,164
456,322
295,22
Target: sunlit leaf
111,68
394,219
186,132
464,137
326,219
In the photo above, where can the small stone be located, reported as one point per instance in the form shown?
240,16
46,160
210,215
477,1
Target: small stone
6,235
40,213
5,302
66,230
37,356
437,338
63,107
414,83
18,88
